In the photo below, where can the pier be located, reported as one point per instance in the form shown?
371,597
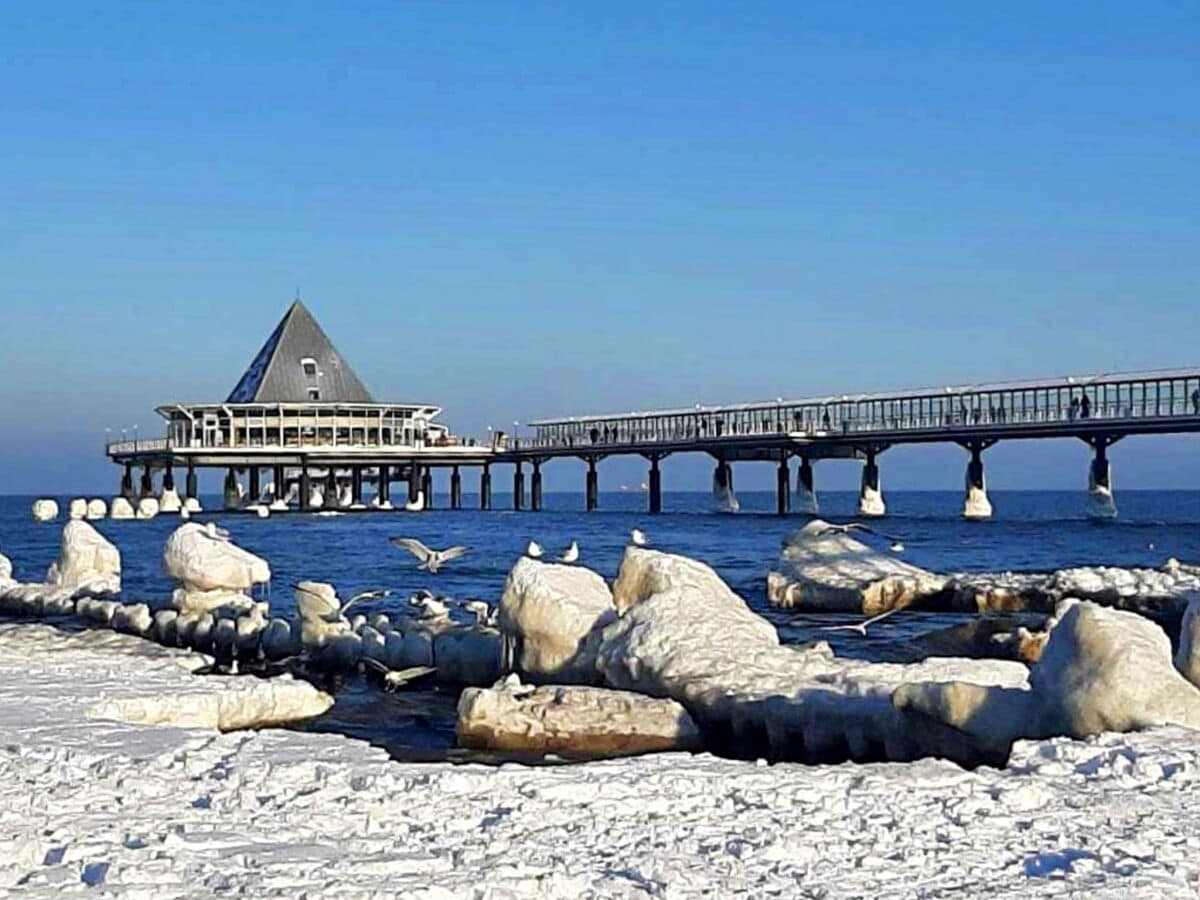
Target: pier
300,416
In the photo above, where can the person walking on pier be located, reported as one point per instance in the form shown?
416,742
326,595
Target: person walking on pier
1085,407
1073,409
1196,402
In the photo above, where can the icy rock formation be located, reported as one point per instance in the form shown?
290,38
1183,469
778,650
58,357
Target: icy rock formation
870,503
280,640
215,572
192,505
97,509
324,632
87,562
1187,657
45,510
572,720
828,571
977,506
120,508
551,616
6,570
1157,592
78,508
147,508
467,655
1101,670
684,634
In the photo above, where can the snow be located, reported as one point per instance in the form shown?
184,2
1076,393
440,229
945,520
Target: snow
45,510
87,561
181,809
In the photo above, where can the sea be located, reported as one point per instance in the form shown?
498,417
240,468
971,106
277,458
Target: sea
1030,531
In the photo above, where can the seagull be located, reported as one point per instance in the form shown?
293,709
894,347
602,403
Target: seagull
897,546
833,528
394,679
638,537
572,553
357,598
861,627
534,550
431,608
429,560
217,534
481,610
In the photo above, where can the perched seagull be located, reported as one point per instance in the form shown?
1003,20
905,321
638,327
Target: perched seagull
861,627
897,546
481,610
572,553
431,607
534,550
217,534
429,560
638,537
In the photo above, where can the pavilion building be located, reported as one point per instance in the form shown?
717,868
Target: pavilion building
300,413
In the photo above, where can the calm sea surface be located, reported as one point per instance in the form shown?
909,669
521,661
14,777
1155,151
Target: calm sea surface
1031,531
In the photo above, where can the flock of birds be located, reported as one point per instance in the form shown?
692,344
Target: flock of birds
430,560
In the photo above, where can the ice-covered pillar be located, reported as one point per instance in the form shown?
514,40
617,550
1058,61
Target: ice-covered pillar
485,488
147,487
168,478
427,487
190,483
254,489
356,484
280,485
783,487
976,504
806,494
1101,504
414,483
518,490
535,487
655,486
127,482
455,489
232,497
331,491
870,495
592,495
383,487
723,487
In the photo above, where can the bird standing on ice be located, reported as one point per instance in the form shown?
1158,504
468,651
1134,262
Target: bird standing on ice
428,559
638,538
572,553
534,550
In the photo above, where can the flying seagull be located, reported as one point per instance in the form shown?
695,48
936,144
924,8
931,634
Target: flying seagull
534,550
429,560
394,679
638,537
357,598
861,627
572,553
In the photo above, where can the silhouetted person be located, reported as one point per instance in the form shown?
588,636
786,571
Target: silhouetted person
1085,406
1073,409
1196,402
825,420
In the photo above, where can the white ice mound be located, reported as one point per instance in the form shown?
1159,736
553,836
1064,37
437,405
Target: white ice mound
120,508
684,634
1187,657
1102,670
78,508
97,509
169,501
86,562
45,510
573,720
5,571
826,570
147,508
551,616
204,560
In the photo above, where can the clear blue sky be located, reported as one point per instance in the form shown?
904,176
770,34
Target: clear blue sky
525,209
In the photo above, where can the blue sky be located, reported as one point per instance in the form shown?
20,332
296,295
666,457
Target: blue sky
516,210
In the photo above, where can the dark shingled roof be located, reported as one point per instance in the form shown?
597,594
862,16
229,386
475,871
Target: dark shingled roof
278,374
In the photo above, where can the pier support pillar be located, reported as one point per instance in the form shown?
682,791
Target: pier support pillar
168,478
147,486
427,487
518,487
723,487
254,492
485,488
383,488
356,484
192,490
870,495
654,501
305,488
591,492
976,504
455,489
168,500
535,487
806,492
232,496
414,487
280,493
1101,503
331,488
127,483
783,487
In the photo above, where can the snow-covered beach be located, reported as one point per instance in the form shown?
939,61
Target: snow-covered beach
92,804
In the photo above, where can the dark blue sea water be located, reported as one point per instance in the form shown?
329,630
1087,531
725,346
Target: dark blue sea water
1031,531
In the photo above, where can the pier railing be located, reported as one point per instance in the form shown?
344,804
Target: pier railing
1014,407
